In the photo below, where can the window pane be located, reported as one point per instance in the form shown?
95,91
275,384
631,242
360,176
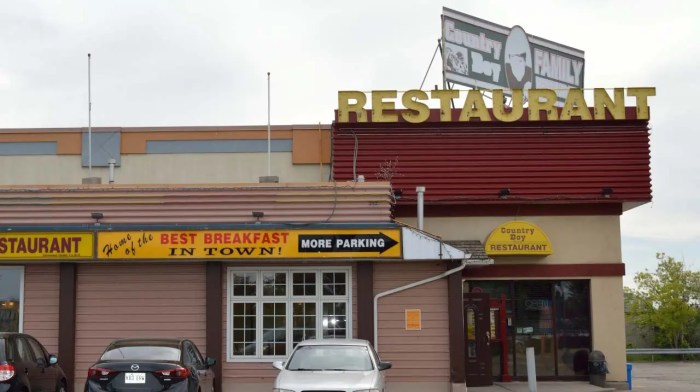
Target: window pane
244,326
274,329
334,320
274,284
244,284
334,283
303,321
304,283
10,279
572,309
470,325
533,322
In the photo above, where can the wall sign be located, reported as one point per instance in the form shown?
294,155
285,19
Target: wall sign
46,246
250,244
518,238
413,320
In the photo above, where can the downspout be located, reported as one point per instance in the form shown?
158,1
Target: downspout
406,287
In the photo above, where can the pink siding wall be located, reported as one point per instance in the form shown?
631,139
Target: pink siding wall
41,283
417,356
137,300
347,202
263,372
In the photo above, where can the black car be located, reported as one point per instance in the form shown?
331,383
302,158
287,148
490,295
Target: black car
25,366
151,365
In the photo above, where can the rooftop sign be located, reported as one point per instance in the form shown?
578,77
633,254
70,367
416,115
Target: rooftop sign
386,105
481,54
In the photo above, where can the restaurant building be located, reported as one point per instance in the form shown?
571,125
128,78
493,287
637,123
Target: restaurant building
532,203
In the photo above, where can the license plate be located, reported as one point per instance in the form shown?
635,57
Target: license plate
135,378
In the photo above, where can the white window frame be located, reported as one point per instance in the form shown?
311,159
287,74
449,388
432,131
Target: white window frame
21,293
289,299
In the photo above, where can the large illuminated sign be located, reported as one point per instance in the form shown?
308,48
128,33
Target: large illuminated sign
413,106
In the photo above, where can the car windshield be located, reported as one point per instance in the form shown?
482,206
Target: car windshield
331,357
143,353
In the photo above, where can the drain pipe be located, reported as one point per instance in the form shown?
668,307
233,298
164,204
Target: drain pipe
406,287
420,191
112,162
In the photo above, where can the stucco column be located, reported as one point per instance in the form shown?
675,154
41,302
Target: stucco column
608,324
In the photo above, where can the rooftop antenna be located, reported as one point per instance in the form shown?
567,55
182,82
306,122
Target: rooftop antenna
89,122
269,178
268,124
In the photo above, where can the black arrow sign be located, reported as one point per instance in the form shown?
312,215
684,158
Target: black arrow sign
345,243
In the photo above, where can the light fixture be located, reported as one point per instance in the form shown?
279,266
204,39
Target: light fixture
97,216
258,215
606,192
504,193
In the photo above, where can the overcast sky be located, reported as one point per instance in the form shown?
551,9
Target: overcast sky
183,62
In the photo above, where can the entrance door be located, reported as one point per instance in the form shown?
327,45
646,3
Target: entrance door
477,338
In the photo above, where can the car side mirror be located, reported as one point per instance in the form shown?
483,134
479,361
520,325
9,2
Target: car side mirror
211,362
278,365
53,359
384,365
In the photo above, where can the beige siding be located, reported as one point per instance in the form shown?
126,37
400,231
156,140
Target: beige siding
608,324
41,304
237,374
575,239
417,356
137,300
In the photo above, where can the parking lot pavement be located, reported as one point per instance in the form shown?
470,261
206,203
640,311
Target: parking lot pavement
646,376
666,376
542,386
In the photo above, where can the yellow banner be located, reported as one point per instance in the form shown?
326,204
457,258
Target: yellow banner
46,245
249,244
518,238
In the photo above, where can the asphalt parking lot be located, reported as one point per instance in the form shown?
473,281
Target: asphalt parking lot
666,376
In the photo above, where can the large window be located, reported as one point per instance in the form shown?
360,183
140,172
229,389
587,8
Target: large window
11,280
272,310
553,316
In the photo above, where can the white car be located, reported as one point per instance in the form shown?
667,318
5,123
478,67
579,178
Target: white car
343,365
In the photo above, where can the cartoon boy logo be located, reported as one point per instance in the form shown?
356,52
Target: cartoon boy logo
456,61
518,58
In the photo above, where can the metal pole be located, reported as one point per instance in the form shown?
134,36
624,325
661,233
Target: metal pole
112,162
420,191
268,124
531,371
89,122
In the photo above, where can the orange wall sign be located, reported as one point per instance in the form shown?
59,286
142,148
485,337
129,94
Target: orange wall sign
413,320
46,246
250,244
518,238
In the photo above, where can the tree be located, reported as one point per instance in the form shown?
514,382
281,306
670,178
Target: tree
666,301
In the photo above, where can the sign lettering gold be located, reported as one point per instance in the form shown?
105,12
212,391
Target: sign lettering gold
541,105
